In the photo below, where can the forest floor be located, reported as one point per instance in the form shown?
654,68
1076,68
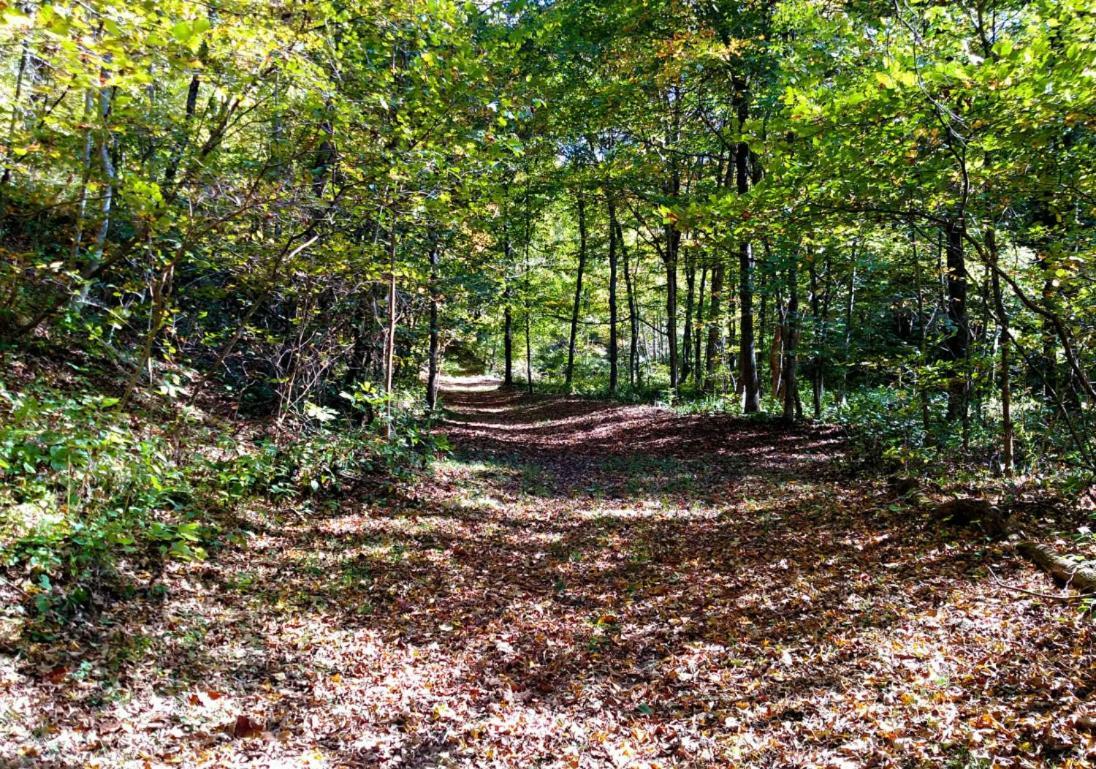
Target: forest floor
582,585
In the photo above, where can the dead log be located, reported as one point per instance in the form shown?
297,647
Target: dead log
1062,570
977,513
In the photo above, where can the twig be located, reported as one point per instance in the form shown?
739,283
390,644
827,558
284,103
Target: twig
15,587
1051,596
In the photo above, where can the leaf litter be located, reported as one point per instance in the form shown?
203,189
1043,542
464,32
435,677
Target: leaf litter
582,585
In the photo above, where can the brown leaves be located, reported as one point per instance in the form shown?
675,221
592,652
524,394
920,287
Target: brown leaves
637,590
204,698
244,727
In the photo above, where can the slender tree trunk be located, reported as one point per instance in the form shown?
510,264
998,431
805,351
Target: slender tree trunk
673,241
923,340
1048,376
672,188
508,341
791,342
432,363
747,359
158,292
769,299
1007,430
85,161
715,324
570,372
24,72
846,346
817,382
958,341
528,352
184,139
528,294
690,299
390,336
731,355
698,361
507,309
613,341
106,142
633,312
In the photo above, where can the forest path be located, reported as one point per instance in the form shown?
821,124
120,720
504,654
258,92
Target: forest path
586,584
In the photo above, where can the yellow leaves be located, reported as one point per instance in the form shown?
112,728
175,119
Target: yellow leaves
894,79
442,712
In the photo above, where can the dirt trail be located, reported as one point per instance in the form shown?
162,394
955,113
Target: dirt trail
589,585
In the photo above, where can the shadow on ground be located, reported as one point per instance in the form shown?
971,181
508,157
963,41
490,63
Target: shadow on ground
589,584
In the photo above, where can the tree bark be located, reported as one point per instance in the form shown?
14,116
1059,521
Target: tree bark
528,291
817,381
715,324
747,359
508,341
791,340
1064,572
958,340
698,361
751,398
390,337
432,363
1005,339
633,312
614,372
669,258
570,372
690,299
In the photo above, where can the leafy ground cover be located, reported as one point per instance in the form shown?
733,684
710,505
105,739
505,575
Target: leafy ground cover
582,585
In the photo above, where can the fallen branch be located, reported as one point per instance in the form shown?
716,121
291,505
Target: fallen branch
1062,570
1034,593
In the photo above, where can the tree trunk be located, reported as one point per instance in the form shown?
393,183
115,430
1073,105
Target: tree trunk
110,175
570,373
390,337
846,346
1066,573
751,399
633,312
817,382
923,338
690,299
613,341
1049,363
528,319
673,241
791,340
1007,432
85,161
508,340
747,360
958,341
25,72
432,363
698,367
715,324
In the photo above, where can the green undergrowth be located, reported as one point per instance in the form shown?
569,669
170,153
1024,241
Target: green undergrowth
96,495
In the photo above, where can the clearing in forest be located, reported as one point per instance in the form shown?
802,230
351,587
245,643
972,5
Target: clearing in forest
582,585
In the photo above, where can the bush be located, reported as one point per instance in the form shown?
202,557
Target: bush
86,487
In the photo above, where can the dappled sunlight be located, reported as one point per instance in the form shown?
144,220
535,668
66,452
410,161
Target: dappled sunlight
593,609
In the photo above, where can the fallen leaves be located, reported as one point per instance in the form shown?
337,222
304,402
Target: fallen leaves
244,727
587,586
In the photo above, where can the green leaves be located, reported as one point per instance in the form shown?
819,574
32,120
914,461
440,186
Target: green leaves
190,33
